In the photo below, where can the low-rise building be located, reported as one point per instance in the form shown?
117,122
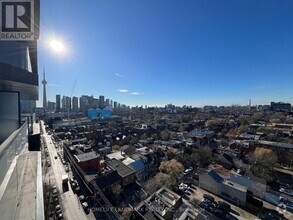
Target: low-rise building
233,192
85,157
127,174
254,184
246,136
214,183
165,204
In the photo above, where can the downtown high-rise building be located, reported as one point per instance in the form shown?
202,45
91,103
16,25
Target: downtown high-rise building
66,103
101,101
95,103
107,102
58,103
51,106
75,104
85,102
115,105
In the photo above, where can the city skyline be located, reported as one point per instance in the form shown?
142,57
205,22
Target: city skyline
158,52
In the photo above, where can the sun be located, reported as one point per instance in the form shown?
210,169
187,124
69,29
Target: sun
56,46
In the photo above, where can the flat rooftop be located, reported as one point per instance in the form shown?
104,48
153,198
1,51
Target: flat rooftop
249,136
82,157
121,168
184,212
116,155
276,144
235,185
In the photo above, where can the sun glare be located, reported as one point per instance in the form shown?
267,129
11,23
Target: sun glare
57,46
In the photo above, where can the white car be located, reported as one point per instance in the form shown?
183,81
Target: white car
286,191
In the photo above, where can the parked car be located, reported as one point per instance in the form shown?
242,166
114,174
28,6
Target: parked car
224,206
286,191
220,213
85,207
71,180
55,192
66,169
208,197
58,209
77,190
60,216
81,198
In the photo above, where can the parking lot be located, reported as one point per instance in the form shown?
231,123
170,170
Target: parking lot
197,193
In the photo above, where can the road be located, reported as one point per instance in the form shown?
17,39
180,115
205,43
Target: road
71,206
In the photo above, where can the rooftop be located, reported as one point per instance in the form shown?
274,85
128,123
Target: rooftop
249,136
184,212
128,161
87,156
144,150
119,155
121,168
221,170
201,133
235,185
216,176
276,144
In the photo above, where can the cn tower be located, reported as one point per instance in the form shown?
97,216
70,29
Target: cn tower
44,82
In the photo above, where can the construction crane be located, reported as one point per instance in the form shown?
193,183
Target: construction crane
71,97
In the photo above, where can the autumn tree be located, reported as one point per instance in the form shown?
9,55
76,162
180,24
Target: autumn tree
263,163
172,168
115,148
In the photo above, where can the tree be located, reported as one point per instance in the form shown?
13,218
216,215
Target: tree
172,168
159,180
289,120
278,117
263,163
116,189
144,136
115,148
241,129
204,155
245,119
188,159
155,137
165,135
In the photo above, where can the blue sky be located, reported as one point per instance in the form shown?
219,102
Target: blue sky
170,51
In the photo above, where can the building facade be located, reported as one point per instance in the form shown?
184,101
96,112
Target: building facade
75,104
58,103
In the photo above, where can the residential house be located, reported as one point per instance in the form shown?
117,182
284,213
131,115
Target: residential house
254,184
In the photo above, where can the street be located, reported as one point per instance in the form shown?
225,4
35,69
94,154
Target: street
237,212
70,204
